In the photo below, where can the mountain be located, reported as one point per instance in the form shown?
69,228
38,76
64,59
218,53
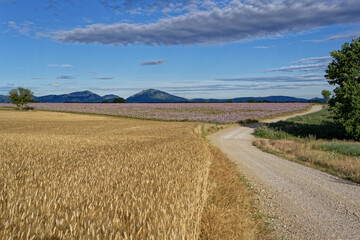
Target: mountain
85,96
110,97
317,99
4,99
245,99
271,99
154,96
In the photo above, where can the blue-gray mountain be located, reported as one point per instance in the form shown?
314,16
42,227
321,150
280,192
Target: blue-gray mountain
152,96
4,99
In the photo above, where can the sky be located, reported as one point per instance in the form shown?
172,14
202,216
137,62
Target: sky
189,48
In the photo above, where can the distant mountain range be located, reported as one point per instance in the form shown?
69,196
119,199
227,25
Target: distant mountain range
153,96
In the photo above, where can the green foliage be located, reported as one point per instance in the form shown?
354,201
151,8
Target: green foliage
247,121
105,101
118,100
21,97
345,148
344,71
318,125
252,100
326,94
264,131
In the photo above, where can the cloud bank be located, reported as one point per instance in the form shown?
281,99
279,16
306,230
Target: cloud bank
234,22
281,78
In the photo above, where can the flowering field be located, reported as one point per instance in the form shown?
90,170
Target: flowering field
205,112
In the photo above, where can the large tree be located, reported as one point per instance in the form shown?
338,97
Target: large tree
21,97
344,71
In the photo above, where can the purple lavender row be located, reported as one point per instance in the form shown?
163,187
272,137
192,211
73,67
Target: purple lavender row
204,112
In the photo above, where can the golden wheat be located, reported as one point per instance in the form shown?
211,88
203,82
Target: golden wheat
69,176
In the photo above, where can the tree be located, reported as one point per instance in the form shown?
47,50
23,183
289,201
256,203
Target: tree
344,71
105,101
326,94
118,100
21,97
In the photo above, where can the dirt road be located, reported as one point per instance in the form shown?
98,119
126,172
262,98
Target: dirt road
301,202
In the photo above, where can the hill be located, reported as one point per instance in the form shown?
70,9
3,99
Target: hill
154,96
84,96
245,99
4,99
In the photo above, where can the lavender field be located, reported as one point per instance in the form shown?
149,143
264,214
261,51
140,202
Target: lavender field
204,112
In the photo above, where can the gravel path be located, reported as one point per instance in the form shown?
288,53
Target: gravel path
301,202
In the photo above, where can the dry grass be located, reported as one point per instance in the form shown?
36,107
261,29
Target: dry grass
69,176
230,211
308,153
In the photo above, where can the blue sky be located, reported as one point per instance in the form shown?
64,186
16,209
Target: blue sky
190,48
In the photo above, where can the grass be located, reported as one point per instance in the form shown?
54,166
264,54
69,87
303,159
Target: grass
320,125
77,176
315,140
230,212
349,149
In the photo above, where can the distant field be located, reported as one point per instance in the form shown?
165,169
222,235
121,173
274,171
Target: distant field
204,112
77,176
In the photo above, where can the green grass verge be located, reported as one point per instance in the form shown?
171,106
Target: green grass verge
345,148
318,125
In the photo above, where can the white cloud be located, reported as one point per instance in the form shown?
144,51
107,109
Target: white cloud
300,68
61,65
280,78
22,29
261,47
104,78
234,22
341,36
325,59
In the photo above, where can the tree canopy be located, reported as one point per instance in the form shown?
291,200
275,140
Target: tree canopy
344,71
118,100
21,97
326,94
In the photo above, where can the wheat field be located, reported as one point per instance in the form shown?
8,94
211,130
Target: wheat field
72,176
